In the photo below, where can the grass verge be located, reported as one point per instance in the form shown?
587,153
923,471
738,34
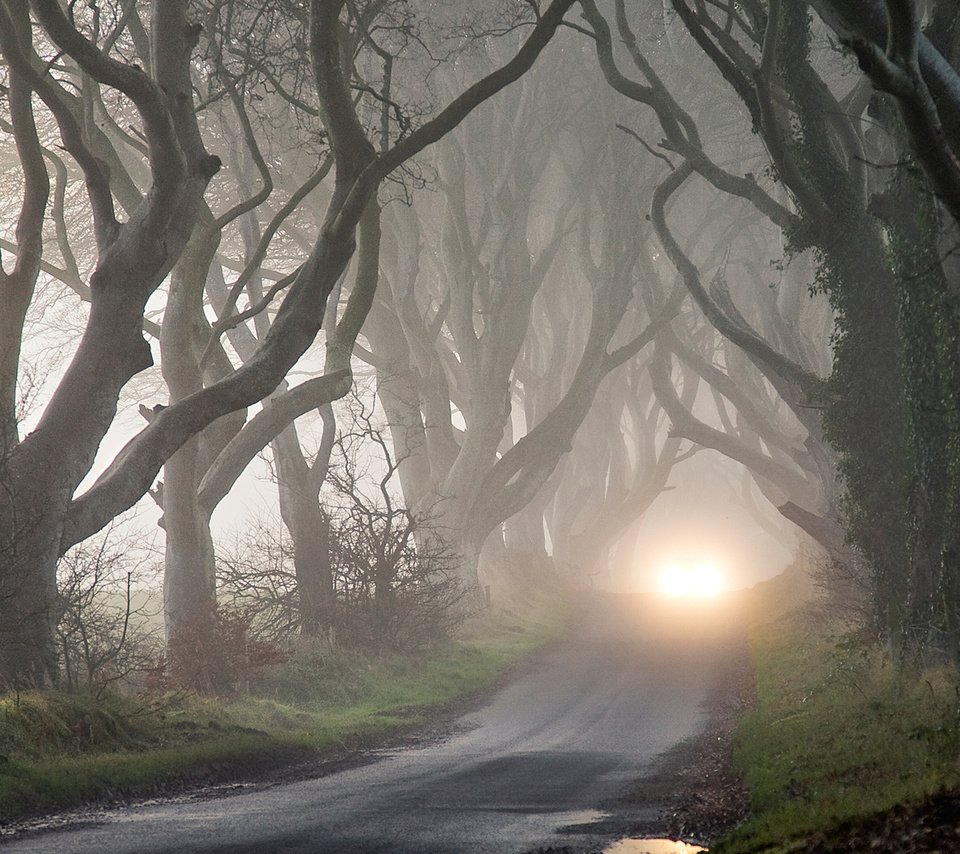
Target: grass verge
61,750
838,738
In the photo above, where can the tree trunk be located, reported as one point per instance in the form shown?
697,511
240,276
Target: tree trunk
189,581
29,540
309,528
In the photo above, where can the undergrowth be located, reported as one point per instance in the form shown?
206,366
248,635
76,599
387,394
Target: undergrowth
839,734
59,750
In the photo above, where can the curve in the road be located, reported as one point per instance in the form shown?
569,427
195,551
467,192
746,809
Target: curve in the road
627,683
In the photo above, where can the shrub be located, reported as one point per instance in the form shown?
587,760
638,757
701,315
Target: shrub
105,633
214,652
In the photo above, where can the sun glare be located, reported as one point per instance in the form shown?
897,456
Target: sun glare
700,580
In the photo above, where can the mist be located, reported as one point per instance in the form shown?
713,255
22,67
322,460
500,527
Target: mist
339,340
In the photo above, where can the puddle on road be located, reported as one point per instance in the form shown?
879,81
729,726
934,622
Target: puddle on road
651,846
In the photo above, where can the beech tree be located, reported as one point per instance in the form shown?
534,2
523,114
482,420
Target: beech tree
881,417
461,335
40,514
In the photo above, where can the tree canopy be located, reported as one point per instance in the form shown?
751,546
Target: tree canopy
566,247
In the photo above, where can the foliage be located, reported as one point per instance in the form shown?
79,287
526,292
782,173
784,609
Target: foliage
320,699
929,328
839,734
894,352
892,419
214,652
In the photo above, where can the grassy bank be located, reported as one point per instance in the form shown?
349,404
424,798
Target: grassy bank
838,736
59,750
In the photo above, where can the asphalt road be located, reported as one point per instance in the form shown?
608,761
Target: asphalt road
584,721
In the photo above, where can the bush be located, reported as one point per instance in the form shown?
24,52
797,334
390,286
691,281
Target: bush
387,570
214,652
105,630
390,591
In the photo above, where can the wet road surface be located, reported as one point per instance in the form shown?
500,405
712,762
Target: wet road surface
587,719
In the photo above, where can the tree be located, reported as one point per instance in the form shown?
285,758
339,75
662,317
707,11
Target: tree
40,515
910,64
455,330
892,443
788,370
41,473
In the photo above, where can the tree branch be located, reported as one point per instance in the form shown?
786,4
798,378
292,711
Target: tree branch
260,430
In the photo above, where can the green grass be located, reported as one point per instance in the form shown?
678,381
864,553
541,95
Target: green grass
838,735
61,750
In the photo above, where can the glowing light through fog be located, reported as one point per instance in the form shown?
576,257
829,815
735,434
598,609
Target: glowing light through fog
700,580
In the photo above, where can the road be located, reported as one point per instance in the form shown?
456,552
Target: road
581,723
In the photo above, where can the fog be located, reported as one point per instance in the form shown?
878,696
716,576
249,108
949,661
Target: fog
594,315
353,350
705,519
577,319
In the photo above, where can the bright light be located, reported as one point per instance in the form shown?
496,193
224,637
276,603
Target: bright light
710,580
700,580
